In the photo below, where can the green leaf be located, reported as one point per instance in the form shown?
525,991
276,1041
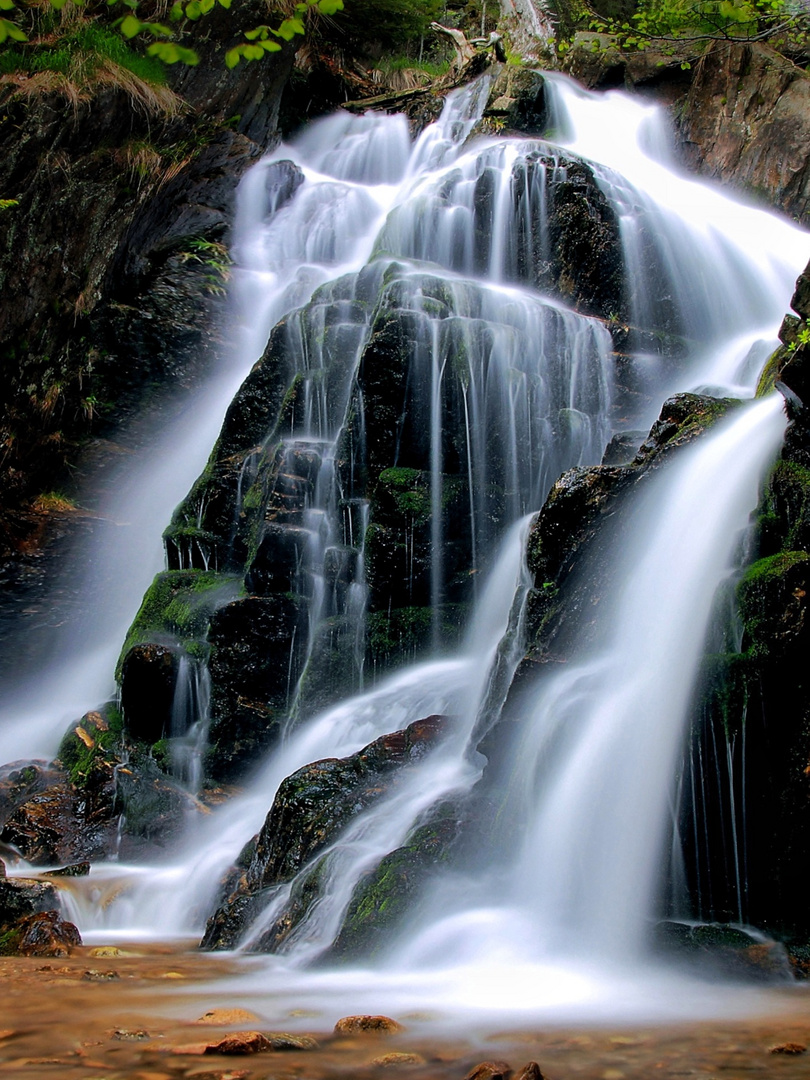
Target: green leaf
7,5
157,29
169,52
9,29
252,52
193,11
329,7
206,6
232,57
224,3
130,26
270,46
257,32
289,28
176,12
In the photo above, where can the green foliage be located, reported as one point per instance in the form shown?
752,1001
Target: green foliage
214,257
79,54
162,48
667,25
802,338
390,23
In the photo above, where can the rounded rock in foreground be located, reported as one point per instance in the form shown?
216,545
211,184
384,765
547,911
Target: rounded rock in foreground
367,1025
788,1048
490,1070
389,1061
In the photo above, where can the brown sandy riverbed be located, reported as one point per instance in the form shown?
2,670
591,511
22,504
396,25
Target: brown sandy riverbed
134,1014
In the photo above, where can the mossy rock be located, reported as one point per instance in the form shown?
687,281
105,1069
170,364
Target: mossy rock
177,608
385,896
773,603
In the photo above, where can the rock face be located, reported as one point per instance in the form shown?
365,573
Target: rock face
112,261
744,121
753,705
311,809
297,640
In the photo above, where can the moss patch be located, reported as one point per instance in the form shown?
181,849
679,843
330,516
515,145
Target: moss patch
178,606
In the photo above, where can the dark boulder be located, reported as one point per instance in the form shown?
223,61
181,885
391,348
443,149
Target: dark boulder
148,679
43,934
312,807
253,669
20,780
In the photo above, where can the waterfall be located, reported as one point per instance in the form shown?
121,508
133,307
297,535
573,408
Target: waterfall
514,369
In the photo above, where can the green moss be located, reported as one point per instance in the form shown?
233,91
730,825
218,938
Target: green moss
81,759
771,568
770,373
177,607
772,602
9,941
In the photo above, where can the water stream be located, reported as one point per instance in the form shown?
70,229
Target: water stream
370,213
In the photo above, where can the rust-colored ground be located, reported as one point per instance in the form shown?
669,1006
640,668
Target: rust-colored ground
133,1016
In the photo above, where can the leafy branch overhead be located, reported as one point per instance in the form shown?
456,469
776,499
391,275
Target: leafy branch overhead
258,41
667,25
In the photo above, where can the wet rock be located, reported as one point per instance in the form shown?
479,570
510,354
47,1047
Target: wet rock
226,1017
623,447
518,101
744,122
44,933
148,679
367,1025
281,181
154,807
310,809
490,1070
317,801
720,947
239,1043
22,897
790,1048
397,1060
22,779
81,869
282,1040
249,680
385,894
530,1071
44,829
94,975
130,1035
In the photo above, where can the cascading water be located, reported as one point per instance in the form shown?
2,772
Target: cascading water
456,240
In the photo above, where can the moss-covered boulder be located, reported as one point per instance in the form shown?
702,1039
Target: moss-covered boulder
388,894
311,809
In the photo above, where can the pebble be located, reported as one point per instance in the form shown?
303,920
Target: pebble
226,1017
99,976
788,1048
241,1042
367,1025
490,1070
530,1071
281,1040
125,1035
388,1061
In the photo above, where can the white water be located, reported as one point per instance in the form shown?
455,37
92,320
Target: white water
595,768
